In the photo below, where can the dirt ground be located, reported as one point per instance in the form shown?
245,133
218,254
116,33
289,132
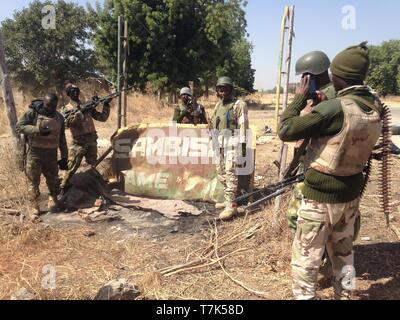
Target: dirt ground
192,258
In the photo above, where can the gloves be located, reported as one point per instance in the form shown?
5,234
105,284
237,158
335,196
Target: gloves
63,164
44,131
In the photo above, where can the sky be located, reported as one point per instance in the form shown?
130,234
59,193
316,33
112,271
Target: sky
318,26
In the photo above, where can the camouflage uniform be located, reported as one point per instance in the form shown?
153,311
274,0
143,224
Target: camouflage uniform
329,225
197,116
324,227
231,115
295,202
84,143
42,152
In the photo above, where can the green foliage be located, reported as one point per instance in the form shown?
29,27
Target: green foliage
42,59
384,73
173,42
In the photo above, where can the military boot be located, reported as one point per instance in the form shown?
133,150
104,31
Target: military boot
229,212
220,205
34,211
52,205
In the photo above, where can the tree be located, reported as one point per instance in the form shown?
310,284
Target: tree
40,58
385,68
173,42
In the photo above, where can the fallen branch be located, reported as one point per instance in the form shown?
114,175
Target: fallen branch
241,284
12,212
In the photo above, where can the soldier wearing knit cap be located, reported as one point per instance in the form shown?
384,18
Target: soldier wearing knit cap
343,133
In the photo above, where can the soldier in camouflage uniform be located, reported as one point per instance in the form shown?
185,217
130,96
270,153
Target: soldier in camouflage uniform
84,136
343,133
230,115
44,127
189,112
316,64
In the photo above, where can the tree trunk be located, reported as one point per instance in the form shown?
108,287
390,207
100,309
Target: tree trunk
7,93
207,89
159,95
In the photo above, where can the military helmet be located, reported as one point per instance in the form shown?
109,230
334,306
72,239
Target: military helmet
315,62
224,81
69,87
186,90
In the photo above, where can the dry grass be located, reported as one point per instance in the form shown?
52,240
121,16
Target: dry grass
253,255
83,264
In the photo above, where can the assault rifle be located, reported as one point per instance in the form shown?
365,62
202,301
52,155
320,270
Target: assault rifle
90,105
274,190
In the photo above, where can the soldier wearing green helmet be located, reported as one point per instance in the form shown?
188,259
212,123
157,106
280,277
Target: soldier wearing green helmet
316,65
230,115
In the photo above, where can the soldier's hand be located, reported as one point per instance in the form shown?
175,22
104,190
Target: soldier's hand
95,98
44,131
304,86
108,101
63,164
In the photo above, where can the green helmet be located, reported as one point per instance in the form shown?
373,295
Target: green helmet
225,81
315,62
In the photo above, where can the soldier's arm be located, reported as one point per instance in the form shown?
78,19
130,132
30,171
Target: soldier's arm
26,125
325,119
63,143
103,115
179,115
73,119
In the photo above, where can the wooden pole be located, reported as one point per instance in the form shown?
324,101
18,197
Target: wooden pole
286,88
280,62
119,82
125,71
8,94
284,146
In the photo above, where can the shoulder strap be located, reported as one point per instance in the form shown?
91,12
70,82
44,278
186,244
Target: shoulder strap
364,101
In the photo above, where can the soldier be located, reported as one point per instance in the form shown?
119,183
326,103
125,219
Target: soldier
44,127
316,64
189,112
230,115
343,133
84,136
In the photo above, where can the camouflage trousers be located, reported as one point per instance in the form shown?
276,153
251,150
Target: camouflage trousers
76,154
294,206
226,170
320,227
42,161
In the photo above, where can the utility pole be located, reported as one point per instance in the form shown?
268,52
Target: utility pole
287,26
8,94
125,70
119,80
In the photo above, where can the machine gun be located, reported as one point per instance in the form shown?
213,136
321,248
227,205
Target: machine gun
90,105
267,193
